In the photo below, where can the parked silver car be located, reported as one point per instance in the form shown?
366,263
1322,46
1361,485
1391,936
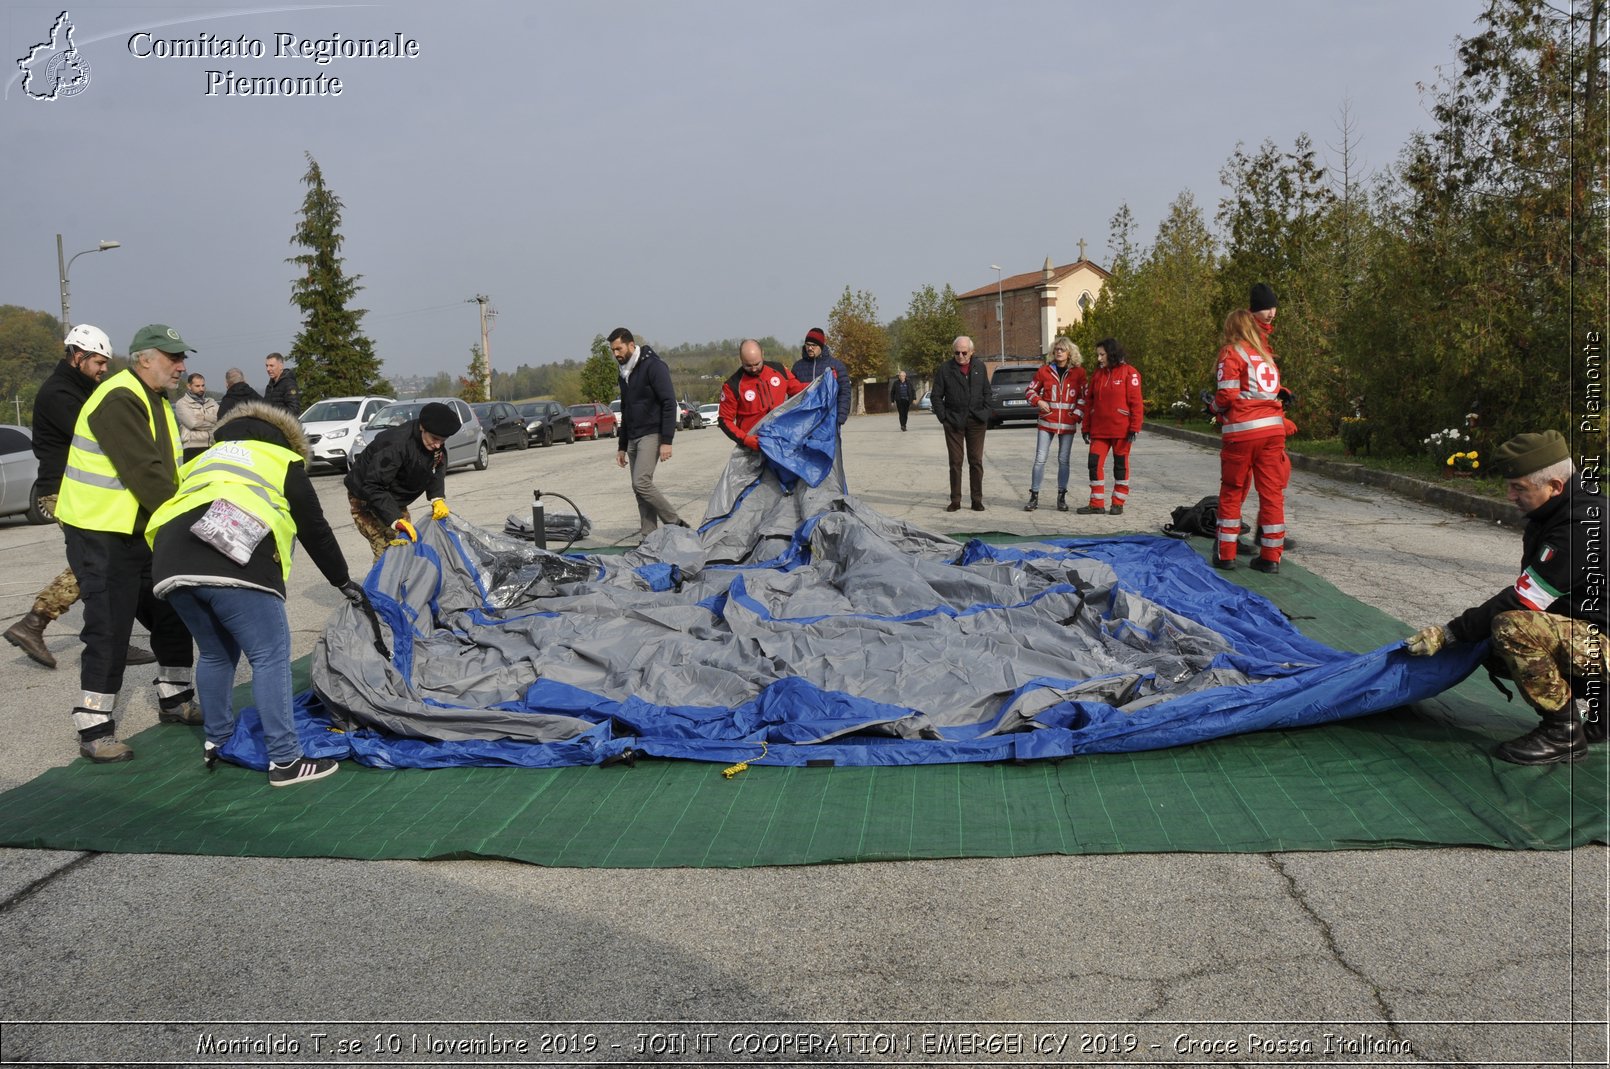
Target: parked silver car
468,446
18,472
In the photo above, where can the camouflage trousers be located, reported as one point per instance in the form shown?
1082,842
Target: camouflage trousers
62,592
1541,652
378,534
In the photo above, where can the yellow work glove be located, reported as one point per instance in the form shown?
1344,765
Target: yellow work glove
405,533
1427,640
438,508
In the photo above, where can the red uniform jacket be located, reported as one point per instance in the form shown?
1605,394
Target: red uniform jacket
1247,399
1114,408
1065,393
745,398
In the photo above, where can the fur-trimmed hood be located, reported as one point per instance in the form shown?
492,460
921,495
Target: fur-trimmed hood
259,421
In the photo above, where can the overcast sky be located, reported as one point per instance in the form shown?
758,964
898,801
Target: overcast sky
691,170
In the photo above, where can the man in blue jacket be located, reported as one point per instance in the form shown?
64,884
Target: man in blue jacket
648,423
816,360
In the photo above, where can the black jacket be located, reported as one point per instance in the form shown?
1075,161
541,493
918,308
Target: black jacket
902,391
394,470
181,559
56,406
961,396
648,400
283,393
1559,573
237,394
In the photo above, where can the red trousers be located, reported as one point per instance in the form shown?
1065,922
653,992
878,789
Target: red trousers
1099,448
1262,462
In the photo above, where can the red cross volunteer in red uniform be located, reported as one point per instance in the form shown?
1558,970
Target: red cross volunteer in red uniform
1253,429
1113,415
757,387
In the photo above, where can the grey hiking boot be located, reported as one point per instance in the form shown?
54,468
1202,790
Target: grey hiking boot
179,709
105,750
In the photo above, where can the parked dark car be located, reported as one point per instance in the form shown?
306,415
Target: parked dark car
503,424
547,422
1008,389
593,421
688,417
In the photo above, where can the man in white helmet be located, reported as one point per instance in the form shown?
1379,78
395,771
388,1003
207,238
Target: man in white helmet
56,409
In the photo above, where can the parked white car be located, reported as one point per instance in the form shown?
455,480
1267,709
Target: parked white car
332,426
711,414
468,446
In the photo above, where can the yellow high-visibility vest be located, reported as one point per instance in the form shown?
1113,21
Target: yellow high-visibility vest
248,474
92,495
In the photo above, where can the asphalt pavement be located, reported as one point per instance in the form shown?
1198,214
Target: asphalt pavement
1444,956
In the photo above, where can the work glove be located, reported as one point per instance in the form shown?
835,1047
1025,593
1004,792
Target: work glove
1132,434
1286,398
353,593
751,442
1086,436
438,508
1426,641
405,533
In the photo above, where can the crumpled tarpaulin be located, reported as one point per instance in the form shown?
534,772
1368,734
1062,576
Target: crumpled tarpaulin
797,626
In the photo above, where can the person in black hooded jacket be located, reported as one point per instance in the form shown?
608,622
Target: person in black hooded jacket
400,464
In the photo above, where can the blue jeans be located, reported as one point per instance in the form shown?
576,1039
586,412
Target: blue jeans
226,622
1042,450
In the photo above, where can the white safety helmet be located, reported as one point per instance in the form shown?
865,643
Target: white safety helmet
90,339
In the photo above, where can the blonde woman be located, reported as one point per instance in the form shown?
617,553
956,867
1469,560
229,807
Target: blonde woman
1252,432
1058,391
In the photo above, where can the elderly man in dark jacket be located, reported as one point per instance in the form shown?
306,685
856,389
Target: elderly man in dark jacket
816,360
400,464
648,423
237,391
961,403
1548,628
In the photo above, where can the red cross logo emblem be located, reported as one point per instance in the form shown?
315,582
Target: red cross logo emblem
1268,377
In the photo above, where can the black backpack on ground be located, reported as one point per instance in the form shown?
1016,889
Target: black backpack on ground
1201,518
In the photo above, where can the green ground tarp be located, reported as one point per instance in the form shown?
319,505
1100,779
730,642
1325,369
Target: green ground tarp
1419,776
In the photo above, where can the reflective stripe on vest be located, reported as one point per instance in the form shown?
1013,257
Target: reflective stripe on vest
92,494
248,474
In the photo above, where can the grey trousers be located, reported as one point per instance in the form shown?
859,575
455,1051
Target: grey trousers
642,457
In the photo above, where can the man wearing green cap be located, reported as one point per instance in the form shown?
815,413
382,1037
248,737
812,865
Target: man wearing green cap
1548,628
123,463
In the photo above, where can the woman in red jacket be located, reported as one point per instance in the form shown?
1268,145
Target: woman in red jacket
1113,415
1253,429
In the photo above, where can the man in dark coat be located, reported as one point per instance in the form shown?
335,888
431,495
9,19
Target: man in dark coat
1547,629
648,423
961,403
237,391
400,464
281,389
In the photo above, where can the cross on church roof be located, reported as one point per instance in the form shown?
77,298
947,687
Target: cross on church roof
1081,248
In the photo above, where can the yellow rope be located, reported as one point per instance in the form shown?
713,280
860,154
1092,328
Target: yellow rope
743,766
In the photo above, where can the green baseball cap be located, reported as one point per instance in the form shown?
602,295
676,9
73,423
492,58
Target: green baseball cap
159,336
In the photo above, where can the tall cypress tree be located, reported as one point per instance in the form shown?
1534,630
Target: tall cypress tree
332,355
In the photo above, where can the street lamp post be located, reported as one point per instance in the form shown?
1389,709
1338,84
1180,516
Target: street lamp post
1000,308
62,268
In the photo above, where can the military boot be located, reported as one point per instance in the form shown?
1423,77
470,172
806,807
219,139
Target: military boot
1559,738
28,635
1034,501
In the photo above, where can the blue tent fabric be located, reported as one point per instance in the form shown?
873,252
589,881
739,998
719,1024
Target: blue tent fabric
1036,651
